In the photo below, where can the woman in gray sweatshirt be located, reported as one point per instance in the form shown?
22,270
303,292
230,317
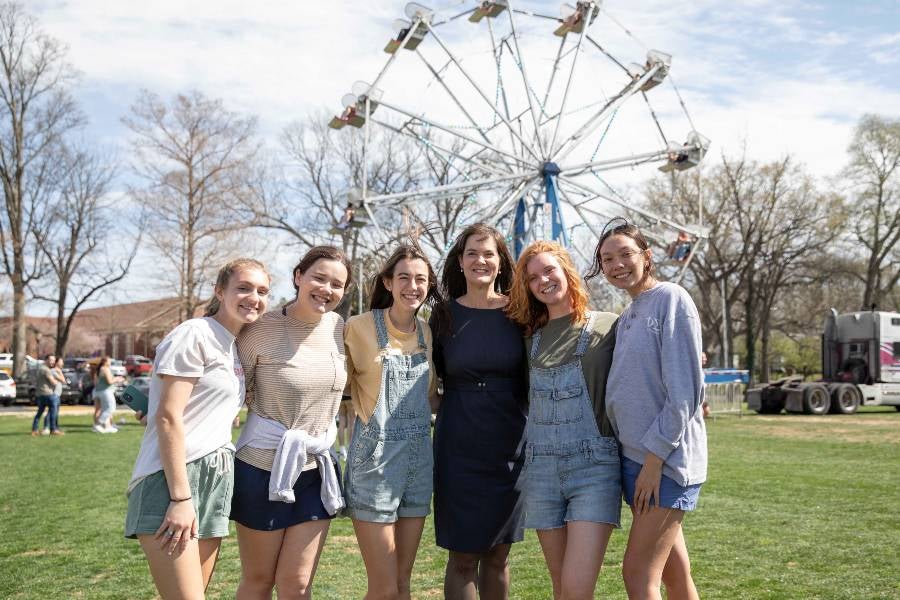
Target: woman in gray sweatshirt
653,401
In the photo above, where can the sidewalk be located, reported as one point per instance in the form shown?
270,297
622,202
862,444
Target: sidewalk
27,410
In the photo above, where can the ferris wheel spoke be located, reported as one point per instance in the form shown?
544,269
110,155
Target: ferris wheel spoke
559,55
579,210
631,207
510,200
565,99
599,47
653,116
480,91
613,163
456,100
524,73
447,189
451,131
594,121
445,154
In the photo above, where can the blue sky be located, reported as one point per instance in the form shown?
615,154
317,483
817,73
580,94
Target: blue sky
773,77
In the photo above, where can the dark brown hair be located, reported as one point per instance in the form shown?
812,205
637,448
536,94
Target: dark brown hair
453,281
224,276
628,230
318,253
381,297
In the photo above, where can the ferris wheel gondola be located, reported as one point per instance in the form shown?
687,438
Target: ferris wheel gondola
523,154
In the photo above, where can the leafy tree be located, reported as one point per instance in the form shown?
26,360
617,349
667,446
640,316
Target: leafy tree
874,171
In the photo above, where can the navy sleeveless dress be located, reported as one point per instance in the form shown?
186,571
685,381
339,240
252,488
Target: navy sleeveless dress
479,433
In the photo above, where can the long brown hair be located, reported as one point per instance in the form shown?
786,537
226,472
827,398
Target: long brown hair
381,297
529,312
224,277
628,230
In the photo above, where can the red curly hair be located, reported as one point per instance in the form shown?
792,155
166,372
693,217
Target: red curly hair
526,310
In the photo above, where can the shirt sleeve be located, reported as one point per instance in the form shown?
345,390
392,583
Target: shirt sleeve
682,376
181,354
352,375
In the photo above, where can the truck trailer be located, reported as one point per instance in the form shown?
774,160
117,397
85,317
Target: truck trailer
860,367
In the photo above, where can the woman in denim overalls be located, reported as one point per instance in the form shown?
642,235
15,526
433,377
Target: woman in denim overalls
572,480
389,466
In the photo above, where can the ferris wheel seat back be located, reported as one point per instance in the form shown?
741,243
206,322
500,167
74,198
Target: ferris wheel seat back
355,106
488,9
573,17
419,18
685,156
655,58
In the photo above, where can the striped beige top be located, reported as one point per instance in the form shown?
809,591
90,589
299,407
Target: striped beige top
295,373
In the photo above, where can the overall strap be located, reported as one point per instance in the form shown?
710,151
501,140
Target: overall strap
380,327
585,336
535,342
420,334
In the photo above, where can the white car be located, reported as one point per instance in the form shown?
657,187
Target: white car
7,388
117,368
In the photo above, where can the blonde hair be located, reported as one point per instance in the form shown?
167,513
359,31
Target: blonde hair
224,276
529,312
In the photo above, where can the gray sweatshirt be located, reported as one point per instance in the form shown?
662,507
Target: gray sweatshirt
655,386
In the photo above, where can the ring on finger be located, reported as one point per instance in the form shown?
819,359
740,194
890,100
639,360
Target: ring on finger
170,533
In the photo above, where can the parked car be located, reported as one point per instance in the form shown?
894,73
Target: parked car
137,365
25,387
117,368
7,388
6,362
71,392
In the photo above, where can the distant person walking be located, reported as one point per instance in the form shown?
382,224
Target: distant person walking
105,392
180,490
46,380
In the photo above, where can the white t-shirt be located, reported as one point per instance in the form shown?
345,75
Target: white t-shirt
200,348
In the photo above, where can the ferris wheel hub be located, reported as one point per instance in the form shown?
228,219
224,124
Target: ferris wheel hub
550,168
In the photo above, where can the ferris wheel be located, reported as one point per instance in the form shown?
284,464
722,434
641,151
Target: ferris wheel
539,120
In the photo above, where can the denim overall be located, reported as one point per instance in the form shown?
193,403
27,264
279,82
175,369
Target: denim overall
571,471
389,466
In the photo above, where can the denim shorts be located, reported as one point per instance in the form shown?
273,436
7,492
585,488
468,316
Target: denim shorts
252,508
671,495
212,484
578,481
386,481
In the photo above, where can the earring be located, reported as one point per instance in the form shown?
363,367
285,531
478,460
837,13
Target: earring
461,270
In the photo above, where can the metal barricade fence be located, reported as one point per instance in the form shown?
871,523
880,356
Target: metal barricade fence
725,398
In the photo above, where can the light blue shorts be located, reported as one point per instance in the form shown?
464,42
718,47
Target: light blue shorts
387,479
671,495
578,481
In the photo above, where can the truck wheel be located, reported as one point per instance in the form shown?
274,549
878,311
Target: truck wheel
771,401
8,401
845,399
816,399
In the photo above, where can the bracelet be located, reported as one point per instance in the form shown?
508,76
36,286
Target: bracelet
176,500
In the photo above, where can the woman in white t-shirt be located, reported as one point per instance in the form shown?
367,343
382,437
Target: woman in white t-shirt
180,491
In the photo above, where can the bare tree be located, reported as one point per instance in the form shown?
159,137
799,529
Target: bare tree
36,111
75,240
195,156
770,232
874,170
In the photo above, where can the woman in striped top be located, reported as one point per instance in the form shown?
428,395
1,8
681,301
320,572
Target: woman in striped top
286,480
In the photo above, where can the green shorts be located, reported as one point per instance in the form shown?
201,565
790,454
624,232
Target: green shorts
212,483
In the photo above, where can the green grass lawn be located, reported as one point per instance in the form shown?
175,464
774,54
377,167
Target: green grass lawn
796,507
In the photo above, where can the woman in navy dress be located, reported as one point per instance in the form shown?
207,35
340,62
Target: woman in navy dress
478,439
